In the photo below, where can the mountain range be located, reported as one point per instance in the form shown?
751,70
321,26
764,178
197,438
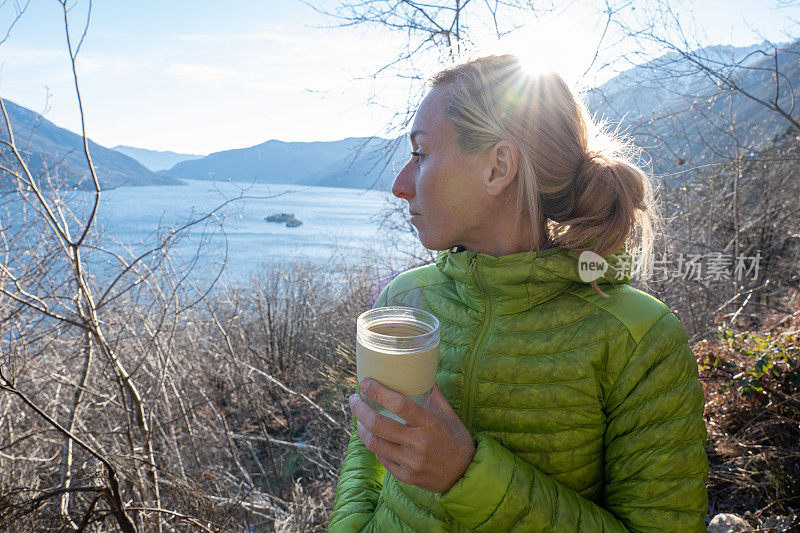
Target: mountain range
355,162
684,120
671,109
57,152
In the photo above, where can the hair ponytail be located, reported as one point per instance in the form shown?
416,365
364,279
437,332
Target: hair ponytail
609,199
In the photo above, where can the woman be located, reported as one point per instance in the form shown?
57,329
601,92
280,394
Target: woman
563,403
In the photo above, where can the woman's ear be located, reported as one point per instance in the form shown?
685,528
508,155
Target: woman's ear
504,161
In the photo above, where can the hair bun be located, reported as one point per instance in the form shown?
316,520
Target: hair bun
591,159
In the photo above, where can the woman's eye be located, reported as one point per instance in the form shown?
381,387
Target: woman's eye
416,154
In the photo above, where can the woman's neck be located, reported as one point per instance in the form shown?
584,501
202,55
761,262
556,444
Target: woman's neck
505,239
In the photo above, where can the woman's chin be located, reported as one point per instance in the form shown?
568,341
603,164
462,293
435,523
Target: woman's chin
427,242
433,243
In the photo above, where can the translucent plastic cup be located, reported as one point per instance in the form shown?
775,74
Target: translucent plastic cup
399,348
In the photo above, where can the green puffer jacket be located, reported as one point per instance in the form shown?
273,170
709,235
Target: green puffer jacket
587,411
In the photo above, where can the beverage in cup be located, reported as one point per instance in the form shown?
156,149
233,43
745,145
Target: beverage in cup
399,348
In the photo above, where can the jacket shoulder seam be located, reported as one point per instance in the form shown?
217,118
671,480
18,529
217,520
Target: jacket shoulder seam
635,333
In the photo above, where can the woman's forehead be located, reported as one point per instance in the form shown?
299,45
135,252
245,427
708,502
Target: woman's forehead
430,118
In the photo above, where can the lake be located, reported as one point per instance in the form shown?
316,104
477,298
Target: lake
336,222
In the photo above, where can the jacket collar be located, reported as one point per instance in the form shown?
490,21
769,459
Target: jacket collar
517,282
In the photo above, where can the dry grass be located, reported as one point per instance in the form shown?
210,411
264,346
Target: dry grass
753,419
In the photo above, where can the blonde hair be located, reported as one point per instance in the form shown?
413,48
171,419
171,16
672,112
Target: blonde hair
577,184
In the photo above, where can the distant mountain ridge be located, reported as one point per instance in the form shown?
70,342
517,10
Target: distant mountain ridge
646,89
374,165
356,162
683,120
58,153
155,160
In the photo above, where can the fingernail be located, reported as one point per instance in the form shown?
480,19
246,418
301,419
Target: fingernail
362,385
352,398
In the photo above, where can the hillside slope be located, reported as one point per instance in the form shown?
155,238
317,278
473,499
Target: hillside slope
58,153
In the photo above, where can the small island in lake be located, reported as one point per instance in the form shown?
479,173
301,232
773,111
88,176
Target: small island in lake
288,218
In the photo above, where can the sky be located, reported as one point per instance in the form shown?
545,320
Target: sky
200,76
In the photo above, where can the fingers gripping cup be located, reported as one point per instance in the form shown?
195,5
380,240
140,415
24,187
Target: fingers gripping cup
399,348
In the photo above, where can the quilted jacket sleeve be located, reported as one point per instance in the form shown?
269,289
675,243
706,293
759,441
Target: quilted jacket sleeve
360,479
360,483
655,462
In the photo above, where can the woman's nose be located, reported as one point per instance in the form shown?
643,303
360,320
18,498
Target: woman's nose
403,186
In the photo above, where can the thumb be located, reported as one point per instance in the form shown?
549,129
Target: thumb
440,404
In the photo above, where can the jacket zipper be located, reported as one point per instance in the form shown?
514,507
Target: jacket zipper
471,377
474,357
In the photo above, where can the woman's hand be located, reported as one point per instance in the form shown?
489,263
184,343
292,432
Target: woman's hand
432,450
